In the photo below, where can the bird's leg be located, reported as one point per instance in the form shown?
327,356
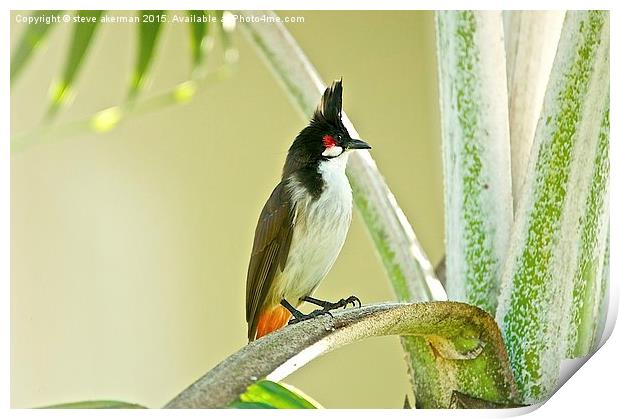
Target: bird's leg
298,316
342,303
296,313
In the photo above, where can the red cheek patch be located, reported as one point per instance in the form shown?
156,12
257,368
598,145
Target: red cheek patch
328,141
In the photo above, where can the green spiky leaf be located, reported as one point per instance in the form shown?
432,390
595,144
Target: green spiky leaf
148,34
267,394
81,40
31,40
200,28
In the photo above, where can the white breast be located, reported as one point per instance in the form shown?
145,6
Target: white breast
321,226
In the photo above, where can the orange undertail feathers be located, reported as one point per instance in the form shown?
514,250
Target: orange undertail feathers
271,320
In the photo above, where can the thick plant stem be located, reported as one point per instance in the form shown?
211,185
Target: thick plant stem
402,255
542,261
531,43
603,306
476,153
464,337
588,280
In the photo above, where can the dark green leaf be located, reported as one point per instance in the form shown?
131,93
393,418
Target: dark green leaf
267,394
96,404
199,31
82,37
148,32
250,405
30,40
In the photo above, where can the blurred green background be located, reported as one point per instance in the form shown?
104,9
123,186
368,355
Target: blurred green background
129,249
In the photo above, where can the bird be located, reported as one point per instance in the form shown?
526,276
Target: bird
304,223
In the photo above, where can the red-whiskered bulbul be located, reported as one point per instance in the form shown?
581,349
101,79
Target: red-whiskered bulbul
304,223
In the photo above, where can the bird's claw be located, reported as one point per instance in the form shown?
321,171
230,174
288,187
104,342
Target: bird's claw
352,300
344,302
312,315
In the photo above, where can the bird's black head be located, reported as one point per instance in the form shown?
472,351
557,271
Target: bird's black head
325,137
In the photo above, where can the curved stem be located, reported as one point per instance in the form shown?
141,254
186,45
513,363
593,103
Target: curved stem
461,336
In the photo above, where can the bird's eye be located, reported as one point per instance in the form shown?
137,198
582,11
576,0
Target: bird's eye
339,137
332,149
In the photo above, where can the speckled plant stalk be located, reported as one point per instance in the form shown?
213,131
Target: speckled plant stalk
476,153
588,279
531,39
603,305
542,261
407,265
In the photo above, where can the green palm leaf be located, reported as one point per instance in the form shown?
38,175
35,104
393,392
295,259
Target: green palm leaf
31,39
148,33
200,29
267,394
80,42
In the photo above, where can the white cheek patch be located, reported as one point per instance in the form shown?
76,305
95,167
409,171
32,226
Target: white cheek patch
333,151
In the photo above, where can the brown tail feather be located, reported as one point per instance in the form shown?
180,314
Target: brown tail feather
271,320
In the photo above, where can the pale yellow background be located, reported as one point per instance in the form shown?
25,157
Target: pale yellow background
129,249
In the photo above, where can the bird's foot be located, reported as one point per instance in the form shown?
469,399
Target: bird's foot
326,307
342,303
346,301
312,315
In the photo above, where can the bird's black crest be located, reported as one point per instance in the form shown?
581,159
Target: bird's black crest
330,107
307,148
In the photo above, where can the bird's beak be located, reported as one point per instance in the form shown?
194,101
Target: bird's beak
357,144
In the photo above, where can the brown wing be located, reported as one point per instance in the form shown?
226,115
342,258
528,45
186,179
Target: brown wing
272,241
